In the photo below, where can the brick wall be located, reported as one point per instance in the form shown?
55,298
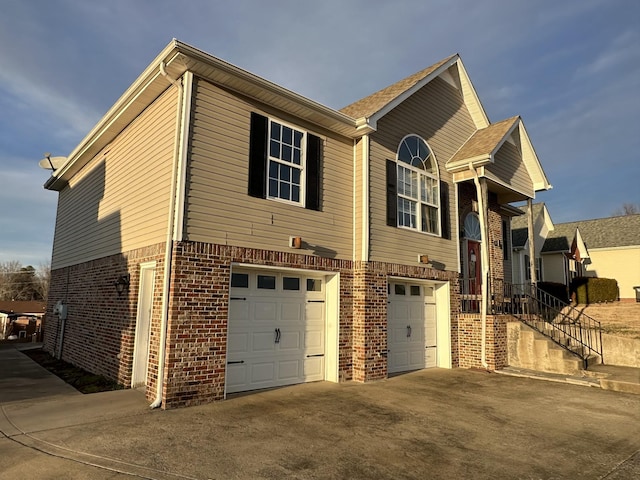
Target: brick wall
470,333
100,327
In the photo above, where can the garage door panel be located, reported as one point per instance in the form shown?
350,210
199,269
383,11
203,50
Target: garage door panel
238,342
265,311
313,369
290,341
239,310
314,312
263,341
236,376
431,354
314,340
291,312
289,369
262,371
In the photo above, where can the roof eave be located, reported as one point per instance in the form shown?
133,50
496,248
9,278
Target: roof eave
179,57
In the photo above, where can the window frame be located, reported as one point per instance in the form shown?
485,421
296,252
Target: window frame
301,168
420,201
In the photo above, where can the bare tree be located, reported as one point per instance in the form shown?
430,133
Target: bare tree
627,209
23,283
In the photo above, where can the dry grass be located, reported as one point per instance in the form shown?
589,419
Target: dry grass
620,319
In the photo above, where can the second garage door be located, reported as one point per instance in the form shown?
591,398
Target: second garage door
276,329
411,327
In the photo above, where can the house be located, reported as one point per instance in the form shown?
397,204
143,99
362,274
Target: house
21,319
559,249
612,248
218,233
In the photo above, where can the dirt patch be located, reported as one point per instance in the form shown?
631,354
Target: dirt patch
81,380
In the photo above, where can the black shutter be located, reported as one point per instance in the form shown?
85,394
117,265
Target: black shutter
258,156
445,223
392,194
314,174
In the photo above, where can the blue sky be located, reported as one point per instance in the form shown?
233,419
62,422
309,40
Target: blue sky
570,68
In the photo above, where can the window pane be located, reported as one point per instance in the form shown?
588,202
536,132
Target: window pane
240,280
267,282
285,191
273,170
295,176
274,149
290,283
286,153
287,135
399,289
275,130
273,188
429,219
314,285
297,139
285,173
296,156
415,290
295,193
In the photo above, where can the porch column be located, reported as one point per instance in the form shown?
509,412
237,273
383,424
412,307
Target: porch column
532,242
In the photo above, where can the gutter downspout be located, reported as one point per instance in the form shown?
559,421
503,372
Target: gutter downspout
484,260
169,244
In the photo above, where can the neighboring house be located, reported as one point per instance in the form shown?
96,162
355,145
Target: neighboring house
613,250
218,233
559,249
21,319
564,254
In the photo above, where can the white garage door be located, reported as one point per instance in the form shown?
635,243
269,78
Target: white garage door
411,327
276,330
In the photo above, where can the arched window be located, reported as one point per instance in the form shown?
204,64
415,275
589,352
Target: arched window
418,186
472,227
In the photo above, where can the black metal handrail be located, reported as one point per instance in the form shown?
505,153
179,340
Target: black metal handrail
561,322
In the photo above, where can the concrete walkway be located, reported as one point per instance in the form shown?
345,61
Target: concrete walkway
436,424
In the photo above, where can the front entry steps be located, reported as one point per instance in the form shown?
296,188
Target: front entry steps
530,350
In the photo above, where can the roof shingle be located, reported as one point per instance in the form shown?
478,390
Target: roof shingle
375,102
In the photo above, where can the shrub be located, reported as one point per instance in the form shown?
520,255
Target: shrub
585,290
557,290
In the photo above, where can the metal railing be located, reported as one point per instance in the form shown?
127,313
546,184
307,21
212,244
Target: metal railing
566,325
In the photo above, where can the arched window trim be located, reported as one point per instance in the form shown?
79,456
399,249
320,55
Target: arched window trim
418,188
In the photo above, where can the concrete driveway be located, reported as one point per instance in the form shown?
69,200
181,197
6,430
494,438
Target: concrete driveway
430,424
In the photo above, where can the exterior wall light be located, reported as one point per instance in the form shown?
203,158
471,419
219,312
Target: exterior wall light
423,258
122,284
295,242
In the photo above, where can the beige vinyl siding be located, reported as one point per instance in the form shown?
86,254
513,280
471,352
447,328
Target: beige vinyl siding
119,201
509,169
218,207
436,113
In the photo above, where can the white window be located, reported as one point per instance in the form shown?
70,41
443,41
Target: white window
418,186
286,162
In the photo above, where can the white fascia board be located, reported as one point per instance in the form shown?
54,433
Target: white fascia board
476,162
531,161
150,76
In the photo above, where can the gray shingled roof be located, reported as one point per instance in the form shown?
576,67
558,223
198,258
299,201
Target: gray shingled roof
367,106
560,238
520,225
608,232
